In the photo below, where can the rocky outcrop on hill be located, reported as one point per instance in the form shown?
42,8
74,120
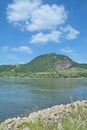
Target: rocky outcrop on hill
49,115
62,64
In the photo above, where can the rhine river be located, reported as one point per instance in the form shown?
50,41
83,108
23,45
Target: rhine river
19,97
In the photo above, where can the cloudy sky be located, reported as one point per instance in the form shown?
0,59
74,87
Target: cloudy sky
29,28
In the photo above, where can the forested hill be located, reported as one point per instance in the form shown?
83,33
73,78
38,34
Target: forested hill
47,65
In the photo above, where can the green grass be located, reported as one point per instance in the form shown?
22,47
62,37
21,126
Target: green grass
38,125
69,123
76,119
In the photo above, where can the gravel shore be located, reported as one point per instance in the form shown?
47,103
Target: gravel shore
49,115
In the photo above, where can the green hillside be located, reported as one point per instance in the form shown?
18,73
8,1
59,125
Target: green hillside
47,65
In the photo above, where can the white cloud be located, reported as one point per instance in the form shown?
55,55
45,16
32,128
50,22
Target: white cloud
43,38
35,16
67,50
70,32
47,17
67,33
21,10
23,49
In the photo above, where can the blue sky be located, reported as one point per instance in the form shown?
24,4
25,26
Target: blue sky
29,28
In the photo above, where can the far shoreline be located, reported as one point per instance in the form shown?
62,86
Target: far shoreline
42,78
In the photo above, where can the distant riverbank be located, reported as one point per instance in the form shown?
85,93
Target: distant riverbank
76,111
43,78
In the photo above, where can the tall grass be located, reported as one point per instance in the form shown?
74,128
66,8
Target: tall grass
76,119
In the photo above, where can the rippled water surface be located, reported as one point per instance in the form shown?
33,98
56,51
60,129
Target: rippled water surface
22,96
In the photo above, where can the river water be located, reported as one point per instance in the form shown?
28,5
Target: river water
19,97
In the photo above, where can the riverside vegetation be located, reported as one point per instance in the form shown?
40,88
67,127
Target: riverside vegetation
46,66
60,117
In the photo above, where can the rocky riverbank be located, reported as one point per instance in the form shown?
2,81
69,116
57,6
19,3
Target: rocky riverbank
50,115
